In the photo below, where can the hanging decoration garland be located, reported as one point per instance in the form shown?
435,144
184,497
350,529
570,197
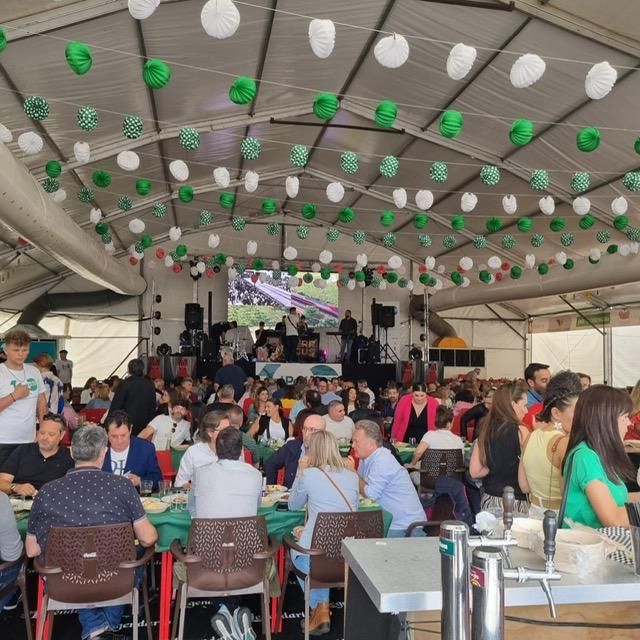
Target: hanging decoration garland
479,241
78,55
633,234
521,132
580,181
226,200
125,203
156,73
557,224
537,240
299,155
185,193
524,224
508,241
250,148
36,108
308,211
273,229
439,172
449,241
389,239
359,237
424,240
346,215
451,124
302,231
50,185
85,195
389,166
349,162
143,186
101,179
586,222
566,239
53,169
420,220
243,90
333,234
159,210
493,224
588,139
631,181
386,114
621,222
269,206
490,175
87,118
603,237
515,272
132,127
457,223
189,138
539,180
206,217
238,223
326,105
387,218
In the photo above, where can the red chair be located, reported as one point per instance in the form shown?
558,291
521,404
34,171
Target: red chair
456,425
280,477
248,456
93,415
165,461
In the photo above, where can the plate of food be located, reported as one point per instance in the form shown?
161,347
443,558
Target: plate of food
367,502
19,504
175,498
154,505
275,488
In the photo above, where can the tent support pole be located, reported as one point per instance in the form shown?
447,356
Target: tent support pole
497,315
585,318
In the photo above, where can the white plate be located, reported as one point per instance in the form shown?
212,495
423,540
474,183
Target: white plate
175,498
153,505
21,505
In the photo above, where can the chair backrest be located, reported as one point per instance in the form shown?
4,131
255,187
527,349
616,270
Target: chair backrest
93,415
165,462
280,476
248,456
440,462
226,547
90,560
329,532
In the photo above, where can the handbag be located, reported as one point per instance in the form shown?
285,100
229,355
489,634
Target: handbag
330,479
565,491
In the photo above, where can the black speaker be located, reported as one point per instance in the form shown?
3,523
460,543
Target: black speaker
376,311
388,317
193,316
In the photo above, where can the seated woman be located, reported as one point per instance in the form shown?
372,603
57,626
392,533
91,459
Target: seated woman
273,425
415,414
324,484
539,472
349,399
88,390
100,398
476,413
596,466
169,428
257,407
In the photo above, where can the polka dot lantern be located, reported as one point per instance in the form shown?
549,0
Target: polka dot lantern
206,217
580,181
273,228
250,148
125,203
189,138
333,234
299,155
87,118
539,180
132,127
159,210
359,237
449,241
302,231
389,166
389,239
439,172
238,223
36,108
490,175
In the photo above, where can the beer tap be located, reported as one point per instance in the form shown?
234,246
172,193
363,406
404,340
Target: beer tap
508,505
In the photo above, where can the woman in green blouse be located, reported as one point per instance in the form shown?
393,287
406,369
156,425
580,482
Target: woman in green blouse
596,465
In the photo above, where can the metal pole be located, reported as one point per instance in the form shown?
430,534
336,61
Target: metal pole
454,567
487,586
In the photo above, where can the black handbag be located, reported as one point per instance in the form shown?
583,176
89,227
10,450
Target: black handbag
565,490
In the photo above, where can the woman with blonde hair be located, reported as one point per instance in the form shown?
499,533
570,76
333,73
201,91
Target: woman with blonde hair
324,484
100,399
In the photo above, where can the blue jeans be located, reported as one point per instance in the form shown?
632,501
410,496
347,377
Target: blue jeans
316,596
7,576
399,533
455,489
345,349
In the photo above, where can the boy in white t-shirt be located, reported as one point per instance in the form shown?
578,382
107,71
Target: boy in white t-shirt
22,395
170,429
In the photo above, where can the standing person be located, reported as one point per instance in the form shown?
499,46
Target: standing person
64,367
230,373
348,329
536,376
52,384
477,413
22,395
218,331
136,395
415,414
291,335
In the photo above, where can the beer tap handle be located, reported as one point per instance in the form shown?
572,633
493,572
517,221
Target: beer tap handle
508,505
550,528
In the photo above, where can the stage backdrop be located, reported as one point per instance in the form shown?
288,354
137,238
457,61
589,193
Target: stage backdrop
291,370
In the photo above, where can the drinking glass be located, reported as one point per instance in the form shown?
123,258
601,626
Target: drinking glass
165,488
412,442
146,487
177,502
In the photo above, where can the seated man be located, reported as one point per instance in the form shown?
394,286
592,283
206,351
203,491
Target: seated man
128,455
32,465
223,399
169,429
88,497
235,415
337,422
384,480
10,549
227,487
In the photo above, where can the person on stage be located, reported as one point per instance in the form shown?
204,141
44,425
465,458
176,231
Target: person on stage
303,327
218,331
291,336
348,330
261,336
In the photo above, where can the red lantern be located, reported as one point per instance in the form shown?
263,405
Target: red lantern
381,268
160,253
254,277
499,276
210,273
422,269
461,270
133,261
177,268
22,242
552,261
338,267
505,266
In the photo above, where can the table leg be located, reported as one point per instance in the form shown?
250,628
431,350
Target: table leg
276,624
166,588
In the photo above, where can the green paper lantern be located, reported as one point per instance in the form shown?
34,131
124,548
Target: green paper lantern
256,264
181,250
387,218
3,40
403,283
612,248
292,270
516,272
269,206
392,277
457,223
349,162
479,241
146,240
174,256
636,145
53,169
490,175
543,268
276,274
493,224
132,127
424,240
273,229
250,148
566,239
449,241
508,241
386,114
588,139
389,239
226,200
50,185
389,166
346,215
484,276
302,231
36,108
333,234
101,179
456,278
586,222
603,237
211,262
451,123
185,193
325,106
87,118
308,278
420,220
580,181
189,138
359,237
85,195
243,90
221,258
631,181
139,248
424,278
524,224
308,211
156,73
537,240
78,55
206,217
159,210
557,224
539,180
360,276
569,264
633,233
621,222
101,228
521,132
238,223
325,273
299,156
143,186
106,238
125,203
439,172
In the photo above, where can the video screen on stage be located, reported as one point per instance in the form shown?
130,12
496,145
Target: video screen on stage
252,301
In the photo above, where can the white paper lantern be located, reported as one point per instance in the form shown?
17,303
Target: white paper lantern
322,37
510,204
561,258
410,285
600,80
351,285
465,282
229,261
392,51
624,249
175,233
231,273
315,267
530,261
220,18
128,160
30,143
466,263
213,241
361,284
527,70
401,270
293,282
362,259
468,202
581,205
460,61
316,283
110,248
430,262
400,198
251,180
424,199
335,192
595,255
635,247
394,262
619,206
290,253
179,170
547,205
142,9
136,226
201,266
262,277
5,135
325,256
494,262
440,269
292,186
194,272
222,177
252,247
95,215
275,264
82,152
59,196
383,285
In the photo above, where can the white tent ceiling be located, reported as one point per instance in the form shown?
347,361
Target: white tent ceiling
271,45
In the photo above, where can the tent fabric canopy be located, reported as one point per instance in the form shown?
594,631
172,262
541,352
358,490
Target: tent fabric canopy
271,46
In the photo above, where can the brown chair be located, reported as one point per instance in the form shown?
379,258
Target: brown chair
326,567
18,583
88,567
224,556
437,463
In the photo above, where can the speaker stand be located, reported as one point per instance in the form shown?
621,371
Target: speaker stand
386,351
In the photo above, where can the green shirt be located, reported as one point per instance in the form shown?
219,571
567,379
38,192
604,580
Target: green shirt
586,468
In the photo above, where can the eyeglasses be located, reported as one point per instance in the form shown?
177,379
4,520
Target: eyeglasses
310,430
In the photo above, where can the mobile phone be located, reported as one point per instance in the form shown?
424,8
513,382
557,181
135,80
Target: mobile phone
282,506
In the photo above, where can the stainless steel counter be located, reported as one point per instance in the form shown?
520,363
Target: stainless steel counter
403,574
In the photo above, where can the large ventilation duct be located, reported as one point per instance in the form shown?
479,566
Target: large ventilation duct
436,323
27,209
612,271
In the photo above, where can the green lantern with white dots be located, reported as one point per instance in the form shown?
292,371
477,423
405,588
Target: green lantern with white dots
238,223
490,175
539,180
132,127
359,237
425,240
389,239
349,162
206,217
87,118
36,108
189,138
302,231
333,234
603,237
250,148
273,228
537,240
631,181
566,239
580,181
85,195
125,203
299,156
439,172
449,241
50,185
159,210
479,241
389,166
508,241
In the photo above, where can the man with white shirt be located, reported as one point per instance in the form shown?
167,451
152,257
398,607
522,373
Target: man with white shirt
291,335
337,422
242,483
64,367
170,429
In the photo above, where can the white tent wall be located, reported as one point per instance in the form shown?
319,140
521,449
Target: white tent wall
626,356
